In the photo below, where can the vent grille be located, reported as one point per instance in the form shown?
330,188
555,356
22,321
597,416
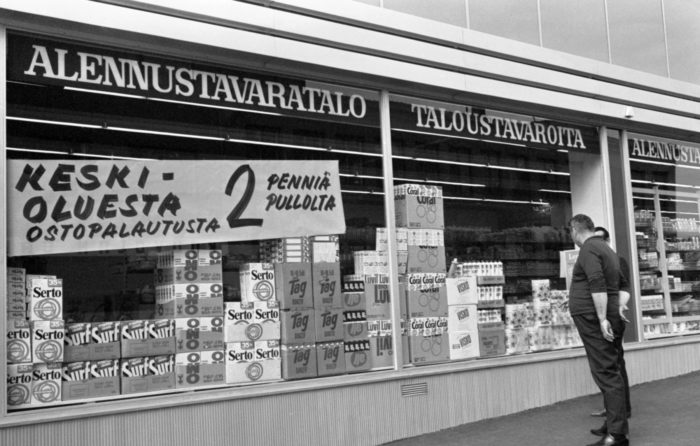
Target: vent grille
417,389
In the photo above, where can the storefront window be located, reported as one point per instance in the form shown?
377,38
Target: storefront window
666,197
486,196
174,225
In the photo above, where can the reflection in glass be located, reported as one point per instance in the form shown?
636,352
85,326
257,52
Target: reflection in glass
637,35
575,26
513,19
453,12
682,18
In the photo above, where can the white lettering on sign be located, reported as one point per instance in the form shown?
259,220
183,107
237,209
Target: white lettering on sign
664,151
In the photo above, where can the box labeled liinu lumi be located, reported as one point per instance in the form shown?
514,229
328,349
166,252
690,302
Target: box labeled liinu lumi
189,266
19,386
419,206
248,362
19,342
257,282
45,299
46,383
47,341
251,321
198,334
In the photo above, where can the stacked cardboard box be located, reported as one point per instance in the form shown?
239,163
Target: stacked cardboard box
189,289
356,341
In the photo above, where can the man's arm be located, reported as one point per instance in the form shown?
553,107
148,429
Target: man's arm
600,300
624,298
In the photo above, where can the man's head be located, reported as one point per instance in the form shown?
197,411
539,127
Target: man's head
603,233
581,228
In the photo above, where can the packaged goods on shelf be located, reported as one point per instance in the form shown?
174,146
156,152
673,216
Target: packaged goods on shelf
293,285
382,239
185,266
329,324
286,250
257,282
148,337
517,340
45,299
90,379
19,385
377,297
541,338
425,294
19,341
519,316
248,362
542,312
147,374
463,344
252,321
330,358
28,286
426,251
355,327
298,326
381,350
427,325
326,284
46,383
47,341
427,348
16,294
540,290
199,334
492,338
105,340
196,369
652,302
462,318
357,355
175,300
367,263
565,336
299,361
325,248
419,206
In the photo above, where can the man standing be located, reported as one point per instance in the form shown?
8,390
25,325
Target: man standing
595,308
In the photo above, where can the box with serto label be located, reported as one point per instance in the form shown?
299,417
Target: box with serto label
251,321
45,299
19,342
47,341
257,282
250,362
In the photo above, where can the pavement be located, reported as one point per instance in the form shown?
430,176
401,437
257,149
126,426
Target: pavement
664,413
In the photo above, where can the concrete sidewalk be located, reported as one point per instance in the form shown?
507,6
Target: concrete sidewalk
664,413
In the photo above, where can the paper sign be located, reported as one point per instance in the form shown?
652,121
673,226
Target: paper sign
567,260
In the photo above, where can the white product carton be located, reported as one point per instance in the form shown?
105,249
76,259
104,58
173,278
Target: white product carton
463,344
462,318
19,342
19,385
257,282
419,206
324,248
248,362
189,266
46,383
195,369
45,299
47,341
252,321
199,334
190,300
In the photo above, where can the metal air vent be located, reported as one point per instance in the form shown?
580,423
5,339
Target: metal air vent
417,389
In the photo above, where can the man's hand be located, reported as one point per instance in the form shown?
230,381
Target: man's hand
623,308
607,331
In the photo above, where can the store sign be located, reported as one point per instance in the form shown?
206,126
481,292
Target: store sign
664,152
58,63
470,122
59,206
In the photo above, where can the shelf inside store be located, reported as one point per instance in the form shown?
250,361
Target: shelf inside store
657,320
684,267
687,318
681,234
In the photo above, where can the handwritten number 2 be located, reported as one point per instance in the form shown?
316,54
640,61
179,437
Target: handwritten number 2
234,220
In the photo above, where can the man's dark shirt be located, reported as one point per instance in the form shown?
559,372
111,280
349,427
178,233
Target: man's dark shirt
597,270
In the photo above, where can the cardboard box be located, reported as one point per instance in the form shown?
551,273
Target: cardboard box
299,361
257,282
285,250
19,342
144,374
189,266
330,358
426,259
357,356
46,383
298,326
159,339
88,379
16,298
377,297
370,262
249,362
382,239
196,369
428,348
47,341
492,339
190,300
355,331
251,321
427,326
425,295
517,340
354,300
326,285
19,386
419,206
462,318
324,248
461,291
329,324
199,334
382,351
463,344
45,299
293,285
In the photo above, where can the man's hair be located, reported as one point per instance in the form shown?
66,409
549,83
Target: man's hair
582,222
606,234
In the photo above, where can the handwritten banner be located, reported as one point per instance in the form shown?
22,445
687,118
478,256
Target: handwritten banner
60,206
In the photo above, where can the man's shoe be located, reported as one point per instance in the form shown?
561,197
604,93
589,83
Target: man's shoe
599,413
602,431
608,440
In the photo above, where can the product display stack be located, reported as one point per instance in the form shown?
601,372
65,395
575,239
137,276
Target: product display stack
540,333
564,332
189,289
356,340
34,339
420,212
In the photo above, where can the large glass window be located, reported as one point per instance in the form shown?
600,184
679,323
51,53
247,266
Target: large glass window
683,35
175,225
576,27
449,11
512,19
666,199
486,195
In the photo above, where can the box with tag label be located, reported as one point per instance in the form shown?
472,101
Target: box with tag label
299,361
298,326
293,285
326,285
